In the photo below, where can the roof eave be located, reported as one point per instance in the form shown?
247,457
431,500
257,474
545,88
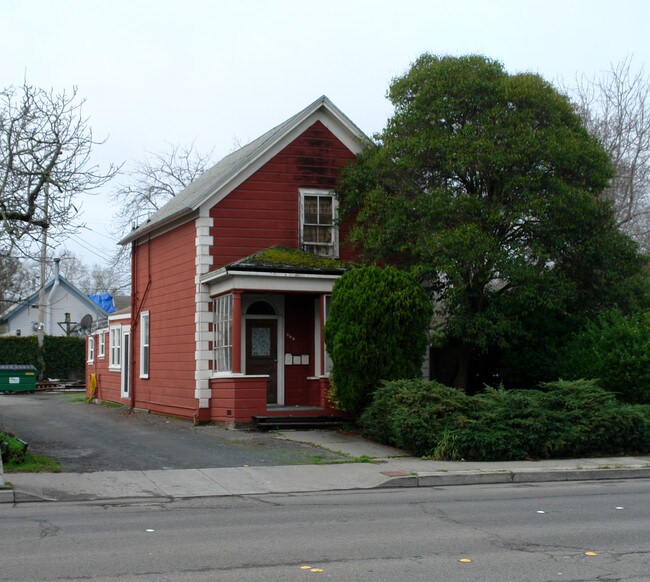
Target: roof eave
147,228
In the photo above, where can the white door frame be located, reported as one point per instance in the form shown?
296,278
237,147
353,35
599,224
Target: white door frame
277,301
125,383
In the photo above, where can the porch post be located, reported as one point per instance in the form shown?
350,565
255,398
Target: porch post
236,332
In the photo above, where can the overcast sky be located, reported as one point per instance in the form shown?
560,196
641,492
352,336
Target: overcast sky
223,72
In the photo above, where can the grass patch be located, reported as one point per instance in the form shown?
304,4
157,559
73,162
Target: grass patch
34,463
17,459
109,404
322,460
75,397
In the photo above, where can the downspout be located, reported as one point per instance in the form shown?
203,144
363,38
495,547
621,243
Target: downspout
50,298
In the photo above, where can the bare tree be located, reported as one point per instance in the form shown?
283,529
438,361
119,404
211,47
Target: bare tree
157,180
615,107
152,184
45,164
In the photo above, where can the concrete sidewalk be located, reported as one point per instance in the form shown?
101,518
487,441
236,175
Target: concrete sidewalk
390,468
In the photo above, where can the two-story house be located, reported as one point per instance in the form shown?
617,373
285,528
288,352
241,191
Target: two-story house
231,280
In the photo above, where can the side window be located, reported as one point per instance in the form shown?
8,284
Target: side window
144,344
91,349
318,230
223,333
102,344
115,347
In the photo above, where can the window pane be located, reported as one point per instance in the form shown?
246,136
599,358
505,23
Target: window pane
325,210
223,333
324,234
310,234
261,342
311,209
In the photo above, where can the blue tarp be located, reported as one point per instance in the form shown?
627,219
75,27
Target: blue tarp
104,300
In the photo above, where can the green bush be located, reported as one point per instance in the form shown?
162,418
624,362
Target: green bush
64,357
376,330
413,414
14,450
614,349
562,419
19,350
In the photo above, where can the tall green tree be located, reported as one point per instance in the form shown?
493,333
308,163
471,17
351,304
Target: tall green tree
488,186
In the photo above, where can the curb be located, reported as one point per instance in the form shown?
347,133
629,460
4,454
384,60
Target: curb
13,496
523,476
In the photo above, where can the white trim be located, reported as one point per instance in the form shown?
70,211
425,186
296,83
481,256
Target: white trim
277,301
115,349
223,281
203,318
91,349
351,137
120,317
101,335
125,377
144,373
317,347
311,246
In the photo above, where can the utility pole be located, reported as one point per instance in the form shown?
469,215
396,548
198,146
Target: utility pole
41,292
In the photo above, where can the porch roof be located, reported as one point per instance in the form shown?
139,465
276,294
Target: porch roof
277,269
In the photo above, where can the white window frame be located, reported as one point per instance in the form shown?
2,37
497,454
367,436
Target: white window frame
115,348
91,349
324,249
102,345
145,339
223,323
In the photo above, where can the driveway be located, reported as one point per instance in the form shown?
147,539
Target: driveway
92,437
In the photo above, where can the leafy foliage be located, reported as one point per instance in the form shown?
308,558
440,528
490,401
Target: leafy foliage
19,350
614,349
561,419
488,186
376,330
64,357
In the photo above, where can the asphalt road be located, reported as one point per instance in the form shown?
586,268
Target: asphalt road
580,531
90,437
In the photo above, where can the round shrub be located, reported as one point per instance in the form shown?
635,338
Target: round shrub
614,349
376,330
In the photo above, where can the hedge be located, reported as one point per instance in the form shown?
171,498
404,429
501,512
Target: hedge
62,357
561,419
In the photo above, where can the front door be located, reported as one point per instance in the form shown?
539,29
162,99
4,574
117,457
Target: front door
262,353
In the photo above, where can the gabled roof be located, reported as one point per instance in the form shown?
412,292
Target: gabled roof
18,308
227,173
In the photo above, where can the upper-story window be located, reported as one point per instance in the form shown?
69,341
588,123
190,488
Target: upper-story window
318,231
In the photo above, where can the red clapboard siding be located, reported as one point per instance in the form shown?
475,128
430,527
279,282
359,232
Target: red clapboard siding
168,261
263,211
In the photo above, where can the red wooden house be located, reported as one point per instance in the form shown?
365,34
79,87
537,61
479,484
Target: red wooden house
231,280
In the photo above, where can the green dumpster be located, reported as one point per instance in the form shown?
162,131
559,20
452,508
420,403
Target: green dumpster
18,378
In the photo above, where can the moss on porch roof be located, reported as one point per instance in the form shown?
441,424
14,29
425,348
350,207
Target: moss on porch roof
283,259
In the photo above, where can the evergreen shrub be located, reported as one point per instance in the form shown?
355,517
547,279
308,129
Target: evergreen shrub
376,330
561,419
615,349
